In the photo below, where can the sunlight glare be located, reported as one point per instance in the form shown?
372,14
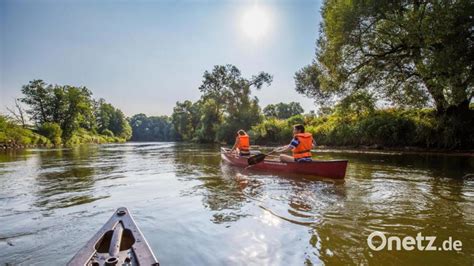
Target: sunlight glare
255,22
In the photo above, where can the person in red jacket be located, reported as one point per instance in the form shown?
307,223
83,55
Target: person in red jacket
300,145
242,143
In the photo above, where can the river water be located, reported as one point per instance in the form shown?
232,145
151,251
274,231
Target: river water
195,210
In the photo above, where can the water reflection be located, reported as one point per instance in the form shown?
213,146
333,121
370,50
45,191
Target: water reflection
188,202
65,177
220,191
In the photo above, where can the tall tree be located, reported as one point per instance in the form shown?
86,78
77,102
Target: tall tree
110,118
79,111
409,52
185,118
209,122
37,97
231,94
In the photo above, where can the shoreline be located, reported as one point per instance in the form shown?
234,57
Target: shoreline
374,149
377,149
397,151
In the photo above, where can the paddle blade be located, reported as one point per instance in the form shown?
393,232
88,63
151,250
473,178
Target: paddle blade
256,159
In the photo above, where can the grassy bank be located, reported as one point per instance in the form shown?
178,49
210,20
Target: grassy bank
15,136
12,135
384,128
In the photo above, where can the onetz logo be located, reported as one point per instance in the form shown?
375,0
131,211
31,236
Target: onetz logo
378,241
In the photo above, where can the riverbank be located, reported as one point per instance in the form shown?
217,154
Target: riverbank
400,151
13,136
376,149
413,129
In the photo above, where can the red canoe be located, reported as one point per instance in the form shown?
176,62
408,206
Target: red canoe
331,168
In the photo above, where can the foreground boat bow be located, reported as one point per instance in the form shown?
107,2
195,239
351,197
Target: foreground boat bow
118,242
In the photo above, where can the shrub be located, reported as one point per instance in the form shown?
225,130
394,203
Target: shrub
107,133
386,127
52,131
10,133
271,131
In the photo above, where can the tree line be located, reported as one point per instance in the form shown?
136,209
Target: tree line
393,73
66,114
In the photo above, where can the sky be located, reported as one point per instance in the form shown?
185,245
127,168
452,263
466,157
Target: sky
143,56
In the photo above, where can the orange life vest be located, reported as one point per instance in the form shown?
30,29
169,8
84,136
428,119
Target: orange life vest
244,143
304,148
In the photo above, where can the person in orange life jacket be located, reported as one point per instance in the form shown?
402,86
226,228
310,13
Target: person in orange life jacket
242,143
300,145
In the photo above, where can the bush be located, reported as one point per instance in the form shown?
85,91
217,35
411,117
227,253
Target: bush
387,127
82,136
108,133
52,131
10,133
296,119
271,131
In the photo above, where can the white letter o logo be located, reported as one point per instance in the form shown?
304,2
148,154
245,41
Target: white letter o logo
382,237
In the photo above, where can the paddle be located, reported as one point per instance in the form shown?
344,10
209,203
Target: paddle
252,160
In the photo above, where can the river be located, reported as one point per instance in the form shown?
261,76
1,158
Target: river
195,210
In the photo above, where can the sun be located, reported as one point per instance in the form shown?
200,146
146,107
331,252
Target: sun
255,22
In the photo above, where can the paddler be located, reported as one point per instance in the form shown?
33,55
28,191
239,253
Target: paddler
300,145
242,143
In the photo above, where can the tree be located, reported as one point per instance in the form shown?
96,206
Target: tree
270,111
112,119
78,110
226,85
68,106
105,113
37,97
72,108
209,122
283,110
153,128
230,93
411,53
185,119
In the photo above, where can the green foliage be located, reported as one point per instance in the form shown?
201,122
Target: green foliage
82,135
387,127
185,119
283,110
271,131
37,96
112,119
65,113
153,128
52,131
209,121
409,53
68,106
108,133
225,106
296,119
12,134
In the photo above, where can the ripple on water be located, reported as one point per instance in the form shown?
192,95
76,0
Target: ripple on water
196,210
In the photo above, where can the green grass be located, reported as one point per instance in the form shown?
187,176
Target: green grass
48,134
12,134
